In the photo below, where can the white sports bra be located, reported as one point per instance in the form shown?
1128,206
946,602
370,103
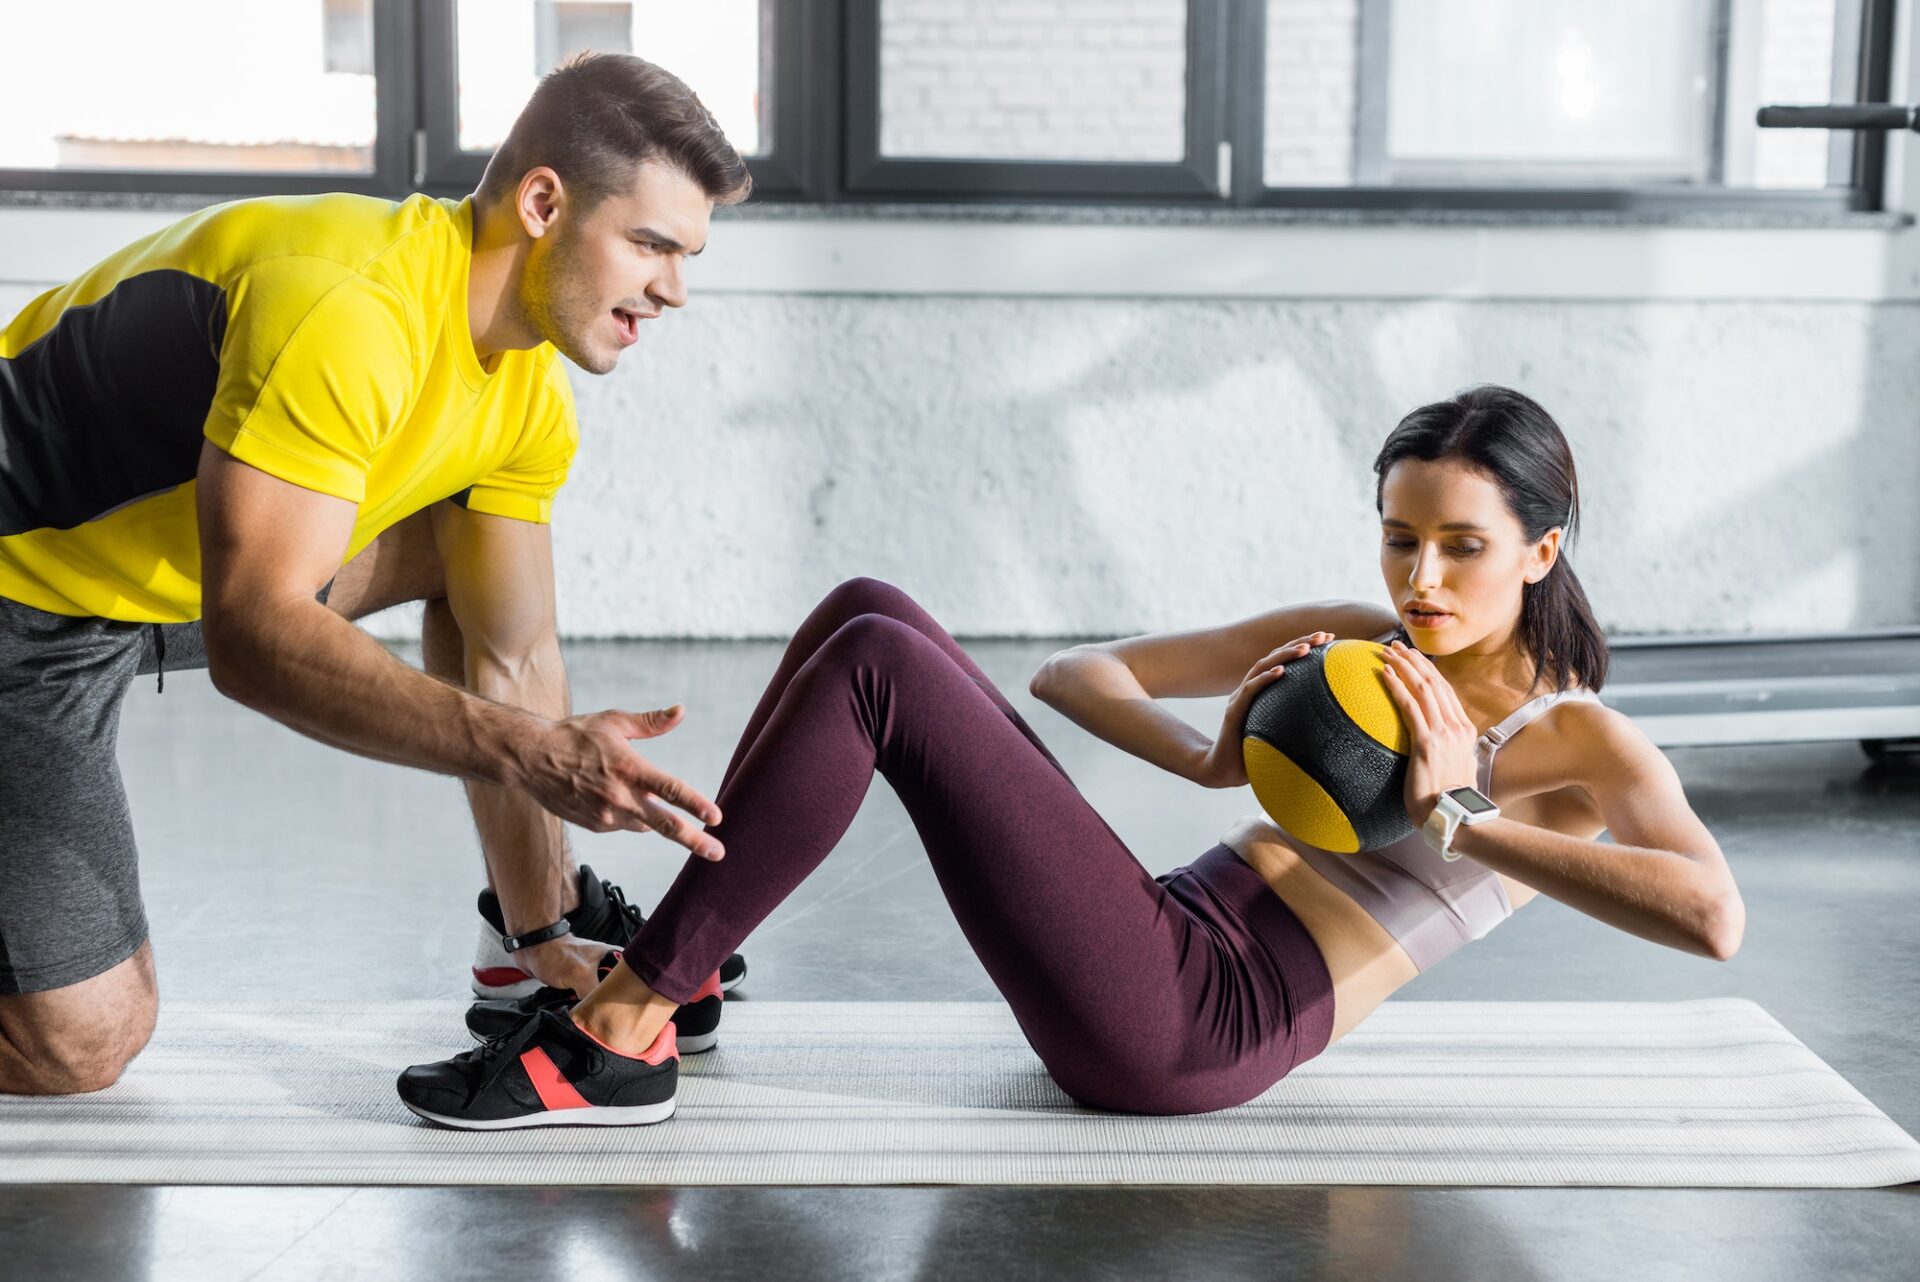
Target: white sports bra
1429,905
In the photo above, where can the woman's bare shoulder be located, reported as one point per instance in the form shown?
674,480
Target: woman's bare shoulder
1599,735
1581,750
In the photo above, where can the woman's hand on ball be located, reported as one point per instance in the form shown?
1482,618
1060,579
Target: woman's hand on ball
1443,735
1225,765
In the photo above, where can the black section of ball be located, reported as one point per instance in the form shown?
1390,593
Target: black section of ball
1299,717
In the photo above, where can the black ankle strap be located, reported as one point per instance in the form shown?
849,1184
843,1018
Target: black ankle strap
514,943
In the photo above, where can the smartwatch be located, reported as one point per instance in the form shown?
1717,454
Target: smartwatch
1456,806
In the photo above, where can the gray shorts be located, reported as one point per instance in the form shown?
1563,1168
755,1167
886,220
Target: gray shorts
69,877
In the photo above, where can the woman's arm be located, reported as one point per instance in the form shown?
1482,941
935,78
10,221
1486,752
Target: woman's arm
1665,880
1109,688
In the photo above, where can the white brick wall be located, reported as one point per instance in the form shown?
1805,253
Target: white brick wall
1796,66
1033,79
1312,52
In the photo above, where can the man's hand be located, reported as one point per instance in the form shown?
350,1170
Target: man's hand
584,770
566,962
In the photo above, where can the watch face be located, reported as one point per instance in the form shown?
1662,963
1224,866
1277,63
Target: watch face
1472,801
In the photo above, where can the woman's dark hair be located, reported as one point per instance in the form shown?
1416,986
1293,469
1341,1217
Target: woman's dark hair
1516,444
597,117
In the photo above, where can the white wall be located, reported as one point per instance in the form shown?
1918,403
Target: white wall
1091,466
1054,465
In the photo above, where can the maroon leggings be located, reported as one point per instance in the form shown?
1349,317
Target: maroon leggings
1189,992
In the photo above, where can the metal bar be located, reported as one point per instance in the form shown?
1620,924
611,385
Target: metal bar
1247,98
1770,638
1837,725
1719,51
1863,115
446,164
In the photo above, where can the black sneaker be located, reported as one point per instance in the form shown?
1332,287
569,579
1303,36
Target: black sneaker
696,1024
604,915
546,1072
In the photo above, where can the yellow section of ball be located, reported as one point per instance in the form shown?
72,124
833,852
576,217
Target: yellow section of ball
1353,674
1296,802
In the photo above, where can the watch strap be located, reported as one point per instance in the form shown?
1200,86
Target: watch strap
527,939
1441,825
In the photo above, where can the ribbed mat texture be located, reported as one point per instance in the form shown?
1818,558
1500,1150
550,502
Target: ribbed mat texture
1696,1093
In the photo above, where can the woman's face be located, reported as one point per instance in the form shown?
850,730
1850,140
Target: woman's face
1454,558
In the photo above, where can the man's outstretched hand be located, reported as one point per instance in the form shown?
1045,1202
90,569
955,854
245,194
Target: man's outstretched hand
584,769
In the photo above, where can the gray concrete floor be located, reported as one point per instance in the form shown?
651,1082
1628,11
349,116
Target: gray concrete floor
275,867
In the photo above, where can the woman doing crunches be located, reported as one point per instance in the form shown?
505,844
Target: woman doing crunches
1201,988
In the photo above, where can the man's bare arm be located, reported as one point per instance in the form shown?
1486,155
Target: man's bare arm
499,581
267,546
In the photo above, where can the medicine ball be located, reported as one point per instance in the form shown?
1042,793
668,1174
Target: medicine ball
1326,750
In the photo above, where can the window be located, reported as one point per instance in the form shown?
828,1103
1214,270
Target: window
1647,102
200,95
295,88
483,58
1119,98
347,29
1571,104
1550,91
1044,80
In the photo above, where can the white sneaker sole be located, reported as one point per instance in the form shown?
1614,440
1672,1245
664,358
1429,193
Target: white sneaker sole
632,1115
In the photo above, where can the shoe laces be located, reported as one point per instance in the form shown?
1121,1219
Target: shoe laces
491,1058
632,918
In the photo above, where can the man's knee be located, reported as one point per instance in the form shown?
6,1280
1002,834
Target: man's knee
74,1062
80,1039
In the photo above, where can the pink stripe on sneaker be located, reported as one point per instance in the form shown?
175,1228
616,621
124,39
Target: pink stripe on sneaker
666,1046
554,1090
709,989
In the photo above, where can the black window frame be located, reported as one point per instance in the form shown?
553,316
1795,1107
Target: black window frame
823,128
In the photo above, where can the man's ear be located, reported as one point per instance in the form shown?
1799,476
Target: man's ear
539,200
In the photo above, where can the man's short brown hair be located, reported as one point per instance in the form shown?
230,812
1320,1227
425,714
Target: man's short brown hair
597,117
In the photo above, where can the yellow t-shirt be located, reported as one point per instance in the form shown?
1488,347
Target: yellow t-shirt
323,339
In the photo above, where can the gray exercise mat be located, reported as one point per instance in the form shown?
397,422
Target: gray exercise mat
1698,1093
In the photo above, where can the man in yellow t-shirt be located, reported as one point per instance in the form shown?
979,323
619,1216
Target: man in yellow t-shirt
234,436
